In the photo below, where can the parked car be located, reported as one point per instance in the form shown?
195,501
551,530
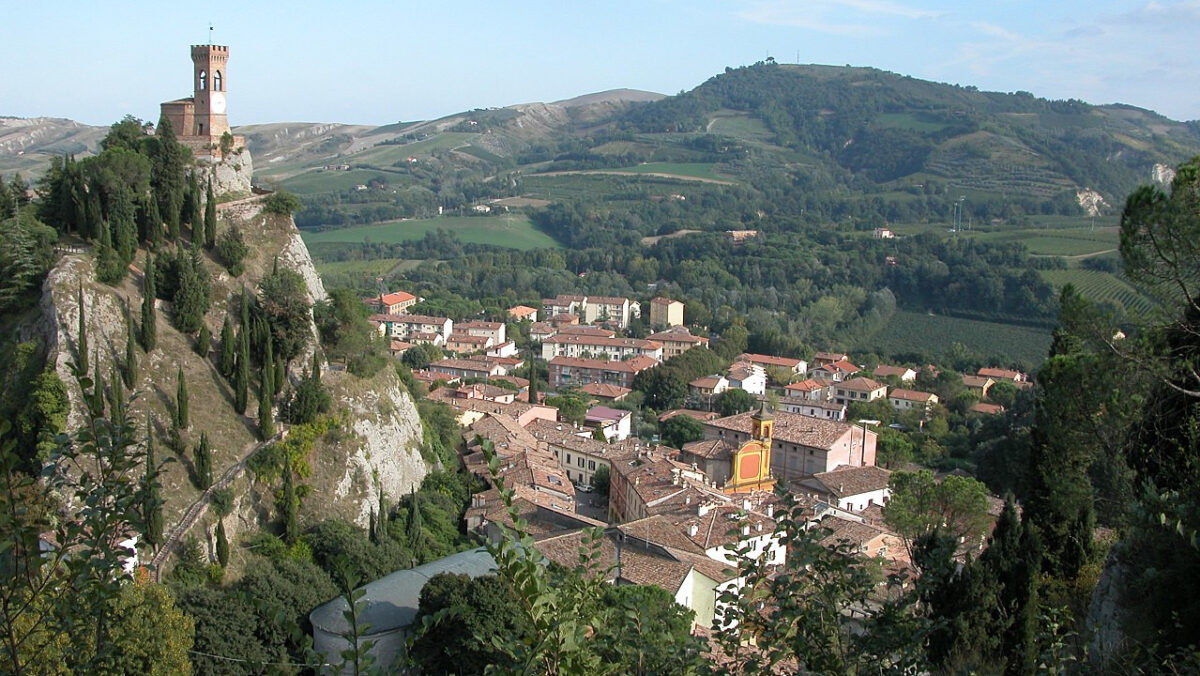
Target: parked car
584,488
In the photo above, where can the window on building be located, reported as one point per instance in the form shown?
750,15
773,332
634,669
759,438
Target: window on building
592,465
203,81
568,458
216,81
581,465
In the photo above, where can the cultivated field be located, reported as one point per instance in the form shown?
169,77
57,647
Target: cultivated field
933,335
511,230
1101,287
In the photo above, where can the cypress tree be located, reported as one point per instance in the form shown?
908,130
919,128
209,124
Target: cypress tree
203,456
116,394
149,318
383,518
97,400
210,218
416,524
108,264
316,368
371,527
266,416
268,369
203,341
152,507
222,544
123,217
181,401
130,371
291,505
228,349
150,222
81,348
280,374
241,381
195,212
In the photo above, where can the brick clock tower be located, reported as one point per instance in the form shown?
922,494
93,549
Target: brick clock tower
200,122
751,470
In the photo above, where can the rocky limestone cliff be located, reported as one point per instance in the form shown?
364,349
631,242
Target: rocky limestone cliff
378,450
230,175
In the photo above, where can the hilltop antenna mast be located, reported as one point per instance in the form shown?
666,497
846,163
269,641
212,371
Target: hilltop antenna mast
210,30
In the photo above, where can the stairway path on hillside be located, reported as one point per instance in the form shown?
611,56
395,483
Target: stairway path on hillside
200,507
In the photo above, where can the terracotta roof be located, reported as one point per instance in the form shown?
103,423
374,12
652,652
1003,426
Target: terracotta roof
1001,374
808,385
418,319
520,311
851,532
710,448
563,299
605,391
791,428
576,330
602,413
462,365
769,360
740,372
861,384
697,415
606,300
678,334
664,301
634,365
397,297
467,338
989,409
707,382
541,327
841,366
976,381
847,481
911,395
829,356
884,370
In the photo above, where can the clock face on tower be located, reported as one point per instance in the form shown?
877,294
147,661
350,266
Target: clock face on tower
217,102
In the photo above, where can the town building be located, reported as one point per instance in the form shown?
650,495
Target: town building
903,373
801,445
415,328
523,313
397,302
599,347
850,488
789,365
614,423
677,340
493,330
978,385
912,400
813,408
575,372
858,389
665,312
748,377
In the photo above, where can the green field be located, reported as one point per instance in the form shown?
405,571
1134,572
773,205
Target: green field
376,267
1100,287
513,231
933,335
692,169
1060,236
320,180
740,125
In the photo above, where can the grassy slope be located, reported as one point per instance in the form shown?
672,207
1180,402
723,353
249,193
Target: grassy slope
510,230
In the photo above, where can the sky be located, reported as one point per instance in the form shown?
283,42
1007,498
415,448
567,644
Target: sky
381,62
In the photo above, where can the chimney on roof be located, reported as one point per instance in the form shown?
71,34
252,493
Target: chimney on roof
770,511
703,510
687,500
758,526
637,481
692,530
746,504
746,529
674,476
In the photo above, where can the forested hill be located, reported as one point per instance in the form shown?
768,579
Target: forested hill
886,127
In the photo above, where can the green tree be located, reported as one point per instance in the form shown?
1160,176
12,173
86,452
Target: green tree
129,370
309,399
266,415
664,388
231,250
602,480
191,300
149,328
920,504
464,609
229,349
210,218
108,263
680,429
203,463
181,400
571,408
284,303
153,635
241,381
734,401
152,504
25,258
222,544
289,505
282,202
203,341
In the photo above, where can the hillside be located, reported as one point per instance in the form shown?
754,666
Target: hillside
378,447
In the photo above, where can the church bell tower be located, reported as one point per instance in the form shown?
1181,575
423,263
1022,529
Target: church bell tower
210,80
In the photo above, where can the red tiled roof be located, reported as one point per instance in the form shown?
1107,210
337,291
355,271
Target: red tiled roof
861,385
791,428
634,365
769,360
397,297
911,395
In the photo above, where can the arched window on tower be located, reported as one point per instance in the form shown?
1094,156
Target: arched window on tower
216,80
203,81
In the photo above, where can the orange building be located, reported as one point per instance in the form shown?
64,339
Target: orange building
751,469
